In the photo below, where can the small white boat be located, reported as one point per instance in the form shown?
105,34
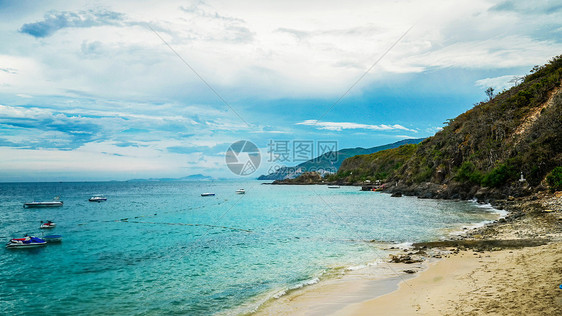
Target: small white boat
240,191
48,224
333,187
97,198
207,194
43,204
26,242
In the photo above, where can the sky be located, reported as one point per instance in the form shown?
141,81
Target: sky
107,90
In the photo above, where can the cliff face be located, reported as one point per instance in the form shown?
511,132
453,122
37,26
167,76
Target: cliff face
489,146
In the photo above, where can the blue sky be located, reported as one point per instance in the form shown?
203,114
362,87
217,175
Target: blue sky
97,90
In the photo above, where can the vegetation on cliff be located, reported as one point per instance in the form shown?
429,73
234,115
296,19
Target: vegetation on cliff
376,166
554,179
517,131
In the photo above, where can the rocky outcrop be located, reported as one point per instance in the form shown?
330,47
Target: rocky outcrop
305,178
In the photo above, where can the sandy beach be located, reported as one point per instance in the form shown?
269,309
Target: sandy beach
473,280
508,282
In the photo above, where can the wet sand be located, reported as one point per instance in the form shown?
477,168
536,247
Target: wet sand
337,293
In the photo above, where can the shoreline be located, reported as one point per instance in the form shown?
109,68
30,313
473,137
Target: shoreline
505,282
368,280
525,230
352,287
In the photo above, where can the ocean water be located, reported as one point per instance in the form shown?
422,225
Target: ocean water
160,248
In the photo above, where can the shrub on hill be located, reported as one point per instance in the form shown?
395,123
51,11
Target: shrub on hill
554,179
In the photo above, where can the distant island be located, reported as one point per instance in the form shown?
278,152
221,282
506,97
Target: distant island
193,177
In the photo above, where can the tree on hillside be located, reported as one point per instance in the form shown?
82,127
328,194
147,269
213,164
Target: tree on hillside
490,93
516,80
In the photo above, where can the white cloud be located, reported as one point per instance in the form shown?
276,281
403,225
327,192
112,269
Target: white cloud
490,53
270,50
499,83
339,126
35,127
103,81
264,49
105,160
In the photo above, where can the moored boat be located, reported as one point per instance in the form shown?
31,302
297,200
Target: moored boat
97,198
43,204
240,191
26,242
333,187
47,224
207,194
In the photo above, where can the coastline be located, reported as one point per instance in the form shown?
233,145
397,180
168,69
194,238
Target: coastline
337,293
505,282
485,270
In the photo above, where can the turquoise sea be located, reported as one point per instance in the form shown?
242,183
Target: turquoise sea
160,248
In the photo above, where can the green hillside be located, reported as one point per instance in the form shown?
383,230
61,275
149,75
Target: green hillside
517,131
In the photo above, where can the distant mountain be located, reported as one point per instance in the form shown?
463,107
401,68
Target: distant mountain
196,177
193,177
330,162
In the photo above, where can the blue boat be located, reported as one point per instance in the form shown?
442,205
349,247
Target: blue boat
53,238
26,242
